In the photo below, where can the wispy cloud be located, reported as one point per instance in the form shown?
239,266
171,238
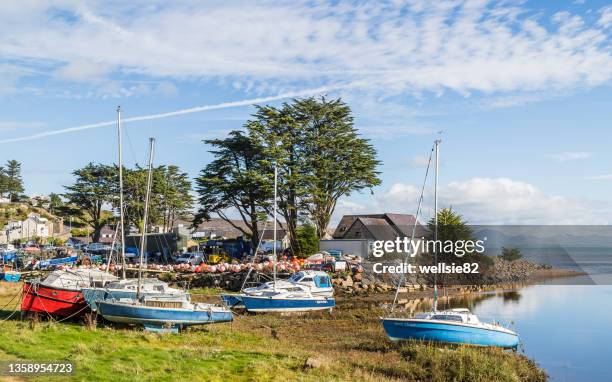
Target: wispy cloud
569,156
393,47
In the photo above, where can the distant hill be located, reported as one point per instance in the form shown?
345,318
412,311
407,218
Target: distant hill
541,236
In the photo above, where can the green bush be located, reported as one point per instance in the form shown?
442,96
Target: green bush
308,240
511,254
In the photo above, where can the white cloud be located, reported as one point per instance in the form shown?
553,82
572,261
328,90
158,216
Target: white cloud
83,71
391,47
490,201
569,156
418,161
606,17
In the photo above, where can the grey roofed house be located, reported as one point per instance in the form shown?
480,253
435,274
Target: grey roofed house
107,234
385,226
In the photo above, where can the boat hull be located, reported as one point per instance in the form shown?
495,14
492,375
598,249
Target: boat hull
137,314
11,277
55,301
436,331
233,300
94,295
268,304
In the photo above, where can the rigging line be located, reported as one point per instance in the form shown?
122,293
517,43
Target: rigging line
255,253
131,146
416,221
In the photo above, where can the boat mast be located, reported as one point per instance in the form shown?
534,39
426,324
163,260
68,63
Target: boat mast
274,235
437,146
122,238
146,213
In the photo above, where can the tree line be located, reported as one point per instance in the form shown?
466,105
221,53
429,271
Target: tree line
96,188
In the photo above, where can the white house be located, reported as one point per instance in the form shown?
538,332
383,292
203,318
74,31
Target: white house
4,200
10,232
35,225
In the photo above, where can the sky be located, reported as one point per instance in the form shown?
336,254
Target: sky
520,91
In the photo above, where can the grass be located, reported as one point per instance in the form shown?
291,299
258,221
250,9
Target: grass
349,345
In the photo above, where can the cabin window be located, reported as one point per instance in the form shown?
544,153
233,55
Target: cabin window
322,282
447,317
296,277
307,280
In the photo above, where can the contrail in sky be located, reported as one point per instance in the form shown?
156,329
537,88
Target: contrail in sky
196,109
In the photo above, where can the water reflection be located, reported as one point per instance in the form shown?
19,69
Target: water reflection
470,301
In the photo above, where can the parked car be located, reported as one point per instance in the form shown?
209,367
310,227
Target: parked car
193,258
98,247
7,247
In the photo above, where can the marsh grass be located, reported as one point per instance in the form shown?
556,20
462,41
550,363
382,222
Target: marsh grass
259,348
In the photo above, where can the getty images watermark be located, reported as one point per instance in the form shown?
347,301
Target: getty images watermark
411,247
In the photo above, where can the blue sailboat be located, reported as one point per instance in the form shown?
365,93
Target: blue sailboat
126,289
156,311
162,314
304,291
456,326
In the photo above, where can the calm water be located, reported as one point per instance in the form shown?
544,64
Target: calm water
567,329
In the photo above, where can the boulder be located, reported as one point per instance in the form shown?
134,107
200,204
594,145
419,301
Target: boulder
314,363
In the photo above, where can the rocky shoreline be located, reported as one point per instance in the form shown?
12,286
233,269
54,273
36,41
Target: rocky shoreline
363,282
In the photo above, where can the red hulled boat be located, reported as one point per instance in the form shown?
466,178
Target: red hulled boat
60,293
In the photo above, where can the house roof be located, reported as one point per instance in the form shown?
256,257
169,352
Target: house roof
385,226
269,234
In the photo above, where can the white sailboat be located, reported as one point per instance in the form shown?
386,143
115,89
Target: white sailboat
304,291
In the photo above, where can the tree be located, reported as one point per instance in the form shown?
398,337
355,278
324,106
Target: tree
175,198
337,160
170,195
320,158
308,239
4,184
511,254
240,178
13,181
91,192
452,227
279,136
55,204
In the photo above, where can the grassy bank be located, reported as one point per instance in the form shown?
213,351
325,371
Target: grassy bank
347,345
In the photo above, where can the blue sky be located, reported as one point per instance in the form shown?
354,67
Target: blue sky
521,91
